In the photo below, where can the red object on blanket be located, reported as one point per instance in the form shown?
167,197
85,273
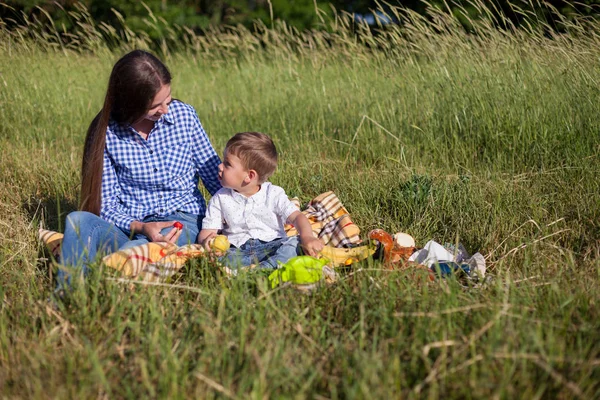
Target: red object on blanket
178,225
394,255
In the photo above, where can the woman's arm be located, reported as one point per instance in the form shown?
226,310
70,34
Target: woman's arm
205,157
111,209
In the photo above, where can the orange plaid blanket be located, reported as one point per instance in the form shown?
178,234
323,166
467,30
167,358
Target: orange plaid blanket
330,221
156,262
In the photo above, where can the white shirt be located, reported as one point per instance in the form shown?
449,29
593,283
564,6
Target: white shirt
260,216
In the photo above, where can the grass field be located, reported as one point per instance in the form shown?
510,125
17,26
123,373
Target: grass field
490,139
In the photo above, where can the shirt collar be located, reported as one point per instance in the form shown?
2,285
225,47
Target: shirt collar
119,130
168,118
256,197
124,129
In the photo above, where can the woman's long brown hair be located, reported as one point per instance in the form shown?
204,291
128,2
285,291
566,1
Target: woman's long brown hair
134,81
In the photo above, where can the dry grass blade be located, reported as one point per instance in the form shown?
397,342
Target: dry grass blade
524,245
158,284
443,312
464,124
436,345
443,359
216,386
572,386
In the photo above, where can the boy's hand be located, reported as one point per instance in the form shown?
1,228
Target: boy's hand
206,241
311,245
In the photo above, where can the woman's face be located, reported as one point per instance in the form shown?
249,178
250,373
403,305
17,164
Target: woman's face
160,104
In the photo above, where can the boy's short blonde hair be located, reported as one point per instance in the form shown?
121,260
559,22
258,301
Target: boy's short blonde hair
256,151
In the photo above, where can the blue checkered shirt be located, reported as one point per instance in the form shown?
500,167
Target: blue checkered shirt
157,176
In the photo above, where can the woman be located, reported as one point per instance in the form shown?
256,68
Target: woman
143,155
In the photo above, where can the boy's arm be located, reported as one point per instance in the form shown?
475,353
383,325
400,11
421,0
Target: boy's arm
211,223
311,245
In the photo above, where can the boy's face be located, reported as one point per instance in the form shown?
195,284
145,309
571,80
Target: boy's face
232,173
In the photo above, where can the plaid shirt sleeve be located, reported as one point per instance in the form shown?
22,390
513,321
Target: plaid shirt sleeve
205,157
111,189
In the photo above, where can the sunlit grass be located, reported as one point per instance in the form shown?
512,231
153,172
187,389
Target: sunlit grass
488,138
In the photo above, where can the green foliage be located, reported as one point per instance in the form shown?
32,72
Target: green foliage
154,16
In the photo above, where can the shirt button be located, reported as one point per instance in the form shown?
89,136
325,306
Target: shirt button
155,169
160,196
161,210
151,151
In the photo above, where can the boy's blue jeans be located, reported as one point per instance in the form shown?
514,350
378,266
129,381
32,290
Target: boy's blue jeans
262,254
88,236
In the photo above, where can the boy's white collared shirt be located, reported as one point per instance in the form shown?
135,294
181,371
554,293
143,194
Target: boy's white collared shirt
261,216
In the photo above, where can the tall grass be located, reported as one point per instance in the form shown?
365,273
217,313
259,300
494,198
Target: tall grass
486,135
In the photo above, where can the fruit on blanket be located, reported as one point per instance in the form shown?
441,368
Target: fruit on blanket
178,225
404,240
341,256
220,243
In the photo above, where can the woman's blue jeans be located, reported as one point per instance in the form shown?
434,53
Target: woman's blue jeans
262,254
87,237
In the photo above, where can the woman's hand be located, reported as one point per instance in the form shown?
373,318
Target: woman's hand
152,231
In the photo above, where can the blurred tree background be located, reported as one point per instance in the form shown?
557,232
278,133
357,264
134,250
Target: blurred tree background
199,15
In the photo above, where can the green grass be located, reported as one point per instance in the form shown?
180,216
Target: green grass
490,140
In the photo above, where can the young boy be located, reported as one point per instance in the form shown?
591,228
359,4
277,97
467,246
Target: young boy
251,211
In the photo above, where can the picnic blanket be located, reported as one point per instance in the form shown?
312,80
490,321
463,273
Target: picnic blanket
157,261
330,221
